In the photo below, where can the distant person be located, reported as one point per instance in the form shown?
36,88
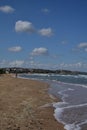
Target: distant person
16,74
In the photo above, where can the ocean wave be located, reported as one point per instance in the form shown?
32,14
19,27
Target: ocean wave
80,85
75,126
59,109
83,76
62,89
72,127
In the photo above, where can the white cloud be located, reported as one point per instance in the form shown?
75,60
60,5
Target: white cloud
46,32
78,66
64,42
17,63
15,49
24,26
32,62
3,63
86,49
82,45
31,58
71,65
7,9
45,10
39,51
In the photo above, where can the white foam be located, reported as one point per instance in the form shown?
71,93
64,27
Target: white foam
58,113
39,74
79,85
63,94
72,127
70,89
55,80
84,122
59,104
75,127
75,106
65,90
84,86
74,76
83,76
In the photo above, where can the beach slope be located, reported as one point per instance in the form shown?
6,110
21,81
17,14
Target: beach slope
22,105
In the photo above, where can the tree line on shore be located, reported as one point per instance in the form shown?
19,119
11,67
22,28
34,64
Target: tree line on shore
45,71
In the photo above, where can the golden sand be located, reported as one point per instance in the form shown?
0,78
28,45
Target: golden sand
22,104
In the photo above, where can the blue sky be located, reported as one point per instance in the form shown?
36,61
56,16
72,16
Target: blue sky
48,34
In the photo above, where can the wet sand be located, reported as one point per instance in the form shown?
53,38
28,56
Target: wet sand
23,105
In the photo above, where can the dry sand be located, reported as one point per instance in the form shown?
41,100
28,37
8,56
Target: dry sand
21,102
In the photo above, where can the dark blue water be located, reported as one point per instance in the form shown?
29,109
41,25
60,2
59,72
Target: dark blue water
72,89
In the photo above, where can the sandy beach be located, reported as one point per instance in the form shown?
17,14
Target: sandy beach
23,105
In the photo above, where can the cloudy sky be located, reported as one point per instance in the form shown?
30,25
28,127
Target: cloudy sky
50,34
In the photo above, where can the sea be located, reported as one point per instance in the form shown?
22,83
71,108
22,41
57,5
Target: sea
71,111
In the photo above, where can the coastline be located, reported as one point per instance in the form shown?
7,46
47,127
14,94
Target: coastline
23,105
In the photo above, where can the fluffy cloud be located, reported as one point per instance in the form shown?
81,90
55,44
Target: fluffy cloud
17,63
32,64
24,26
46,32
71,66
3,63
82,45
86,49
45,10
39,51
7,9
15,49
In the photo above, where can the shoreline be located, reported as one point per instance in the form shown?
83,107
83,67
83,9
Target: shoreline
25,105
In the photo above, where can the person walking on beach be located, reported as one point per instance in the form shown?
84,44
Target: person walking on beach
16,74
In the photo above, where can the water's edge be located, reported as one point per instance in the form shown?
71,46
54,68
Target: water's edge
70,96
